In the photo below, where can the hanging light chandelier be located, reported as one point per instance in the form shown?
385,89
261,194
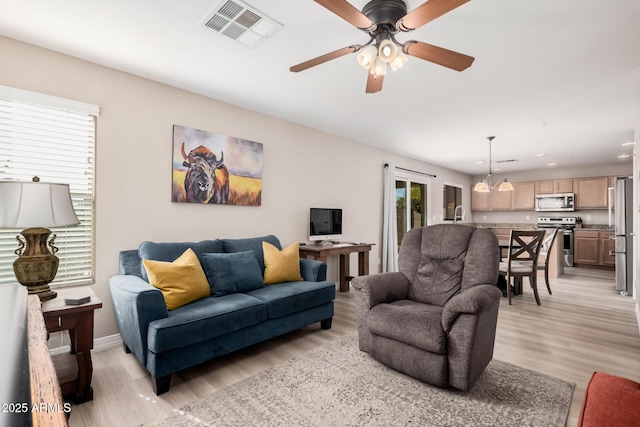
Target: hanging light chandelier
484,185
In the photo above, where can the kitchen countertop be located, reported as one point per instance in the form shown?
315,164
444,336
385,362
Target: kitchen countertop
516,226
532,226
599,227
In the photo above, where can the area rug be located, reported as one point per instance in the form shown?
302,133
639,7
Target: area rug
338,385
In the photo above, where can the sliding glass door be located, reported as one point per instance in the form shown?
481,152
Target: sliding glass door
412,207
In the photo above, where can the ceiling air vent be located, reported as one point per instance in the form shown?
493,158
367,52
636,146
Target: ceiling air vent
506,161
242,23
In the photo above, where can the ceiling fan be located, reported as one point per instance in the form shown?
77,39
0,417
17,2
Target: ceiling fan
382,20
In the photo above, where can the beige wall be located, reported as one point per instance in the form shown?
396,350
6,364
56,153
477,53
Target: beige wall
302,167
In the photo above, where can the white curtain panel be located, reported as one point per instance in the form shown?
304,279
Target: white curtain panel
389,222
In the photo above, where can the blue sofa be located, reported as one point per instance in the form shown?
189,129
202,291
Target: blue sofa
168,341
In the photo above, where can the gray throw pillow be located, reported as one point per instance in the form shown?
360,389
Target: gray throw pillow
170,251
232,273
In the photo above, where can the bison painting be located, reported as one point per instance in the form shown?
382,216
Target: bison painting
215,169
207,178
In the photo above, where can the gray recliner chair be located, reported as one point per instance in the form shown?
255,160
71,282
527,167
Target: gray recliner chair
435,319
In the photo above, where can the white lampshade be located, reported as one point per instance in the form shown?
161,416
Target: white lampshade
35,204
505,186
367,57
482,187
387,51
399,60
380,68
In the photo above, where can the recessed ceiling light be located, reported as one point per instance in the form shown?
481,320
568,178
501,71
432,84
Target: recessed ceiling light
541,154
497,169
551,164
624,156
626,144
480,162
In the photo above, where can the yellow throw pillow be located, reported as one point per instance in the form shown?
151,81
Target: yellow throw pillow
181,281
281,266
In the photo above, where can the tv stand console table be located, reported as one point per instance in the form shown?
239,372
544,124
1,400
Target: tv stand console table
322,251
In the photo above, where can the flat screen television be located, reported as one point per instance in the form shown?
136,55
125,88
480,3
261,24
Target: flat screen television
325,224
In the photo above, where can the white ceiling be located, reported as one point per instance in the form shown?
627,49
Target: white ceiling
550,76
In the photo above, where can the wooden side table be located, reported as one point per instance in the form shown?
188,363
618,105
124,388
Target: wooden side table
78,320
322,251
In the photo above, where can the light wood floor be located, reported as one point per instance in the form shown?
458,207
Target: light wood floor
583,327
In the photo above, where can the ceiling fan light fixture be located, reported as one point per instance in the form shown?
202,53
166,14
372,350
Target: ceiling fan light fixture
367,57
380,67
387,51
381,20
398,61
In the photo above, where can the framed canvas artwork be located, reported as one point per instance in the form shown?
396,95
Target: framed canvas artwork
215,169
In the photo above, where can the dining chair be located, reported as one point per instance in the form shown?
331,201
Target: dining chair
522,260
547,245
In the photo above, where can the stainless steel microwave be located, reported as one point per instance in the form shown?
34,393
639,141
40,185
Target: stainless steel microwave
564,202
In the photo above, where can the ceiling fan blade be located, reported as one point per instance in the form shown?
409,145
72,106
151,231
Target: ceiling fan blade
374,83
427,12
349,13
438,55
324,58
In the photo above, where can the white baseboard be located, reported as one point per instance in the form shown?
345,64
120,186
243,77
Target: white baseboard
99,344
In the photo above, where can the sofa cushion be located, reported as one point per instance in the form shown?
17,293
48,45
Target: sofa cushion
205,319
181,281
610,401
252,244
231,273
401,319
281,265
291,297
170,251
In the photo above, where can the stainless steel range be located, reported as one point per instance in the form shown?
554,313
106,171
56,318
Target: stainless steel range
566,224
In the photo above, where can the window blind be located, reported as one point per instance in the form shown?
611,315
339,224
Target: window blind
53,139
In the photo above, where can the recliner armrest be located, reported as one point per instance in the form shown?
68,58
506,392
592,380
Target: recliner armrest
382,287
471,301
136,303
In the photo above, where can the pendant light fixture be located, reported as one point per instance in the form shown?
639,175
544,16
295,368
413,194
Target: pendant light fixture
484,185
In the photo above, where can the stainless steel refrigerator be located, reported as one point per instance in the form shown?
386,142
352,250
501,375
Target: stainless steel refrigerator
623,215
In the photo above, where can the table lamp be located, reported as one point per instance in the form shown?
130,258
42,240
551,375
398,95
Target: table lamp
35,206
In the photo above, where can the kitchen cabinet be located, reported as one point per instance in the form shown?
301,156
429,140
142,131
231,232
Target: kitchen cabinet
555,186
523,197
591,193
586,247
563,185
480,201
503,234
607,246
591,247
501,200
